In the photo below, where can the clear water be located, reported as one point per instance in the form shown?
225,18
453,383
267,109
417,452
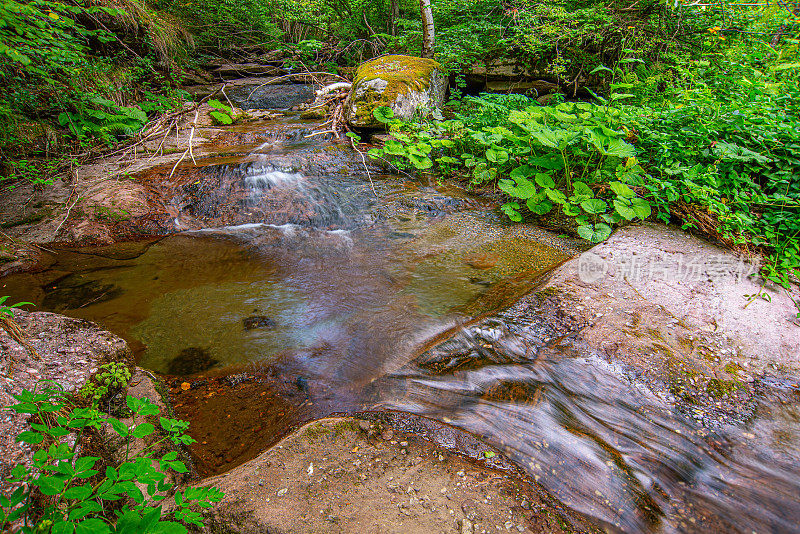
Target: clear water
348,290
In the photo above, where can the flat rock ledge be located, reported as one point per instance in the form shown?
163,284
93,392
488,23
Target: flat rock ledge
651,295
356,475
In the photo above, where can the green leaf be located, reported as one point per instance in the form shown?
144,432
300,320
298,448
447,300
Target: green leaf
622,190
545,180
63,528
168,527
619,148
556,196
539,208
143,430
511,209
601,68
30,437
119,427
523,188
394,147
582,191
552,162
78,492
594,206
496,155
383,114
216,104
594,233
419,162
523,171
85,462
624,207
222,118
92,526
50,485
641,207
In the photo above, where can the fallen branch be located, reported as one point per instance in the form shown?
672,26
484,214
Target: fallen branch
188,150
273,80
364,161
77,198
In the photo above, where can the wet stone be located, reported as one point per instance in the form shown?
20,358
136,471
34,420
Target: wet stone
258,321
191,361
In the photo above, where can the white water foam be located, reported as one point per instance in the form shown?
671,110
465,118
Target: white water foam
263,179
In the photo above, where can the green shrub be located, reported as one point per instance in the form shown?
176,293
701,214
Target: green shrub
79,491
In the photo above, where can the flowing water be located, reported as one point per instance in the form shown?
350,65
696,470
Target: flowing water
294,292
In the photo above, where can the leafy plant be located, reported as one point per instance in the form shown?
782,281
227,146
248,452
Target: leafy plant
113,377
105,120
79,492
541,157
221,113
7,310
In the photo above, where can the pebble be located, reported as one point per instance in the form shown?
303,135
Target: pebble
282,492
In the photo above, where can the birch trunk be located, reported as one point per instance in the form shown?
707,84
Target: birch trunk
428,36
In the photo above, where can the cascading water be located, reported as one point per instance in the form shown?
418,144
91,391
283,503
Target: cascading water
296,277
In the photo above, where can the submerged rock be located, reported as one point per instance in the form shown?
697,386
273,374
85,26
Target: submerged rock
190,361
257,321
404,83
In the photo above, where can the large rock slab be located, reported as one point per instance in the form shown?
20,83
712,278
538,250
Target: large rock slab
652,293
404,83
350,475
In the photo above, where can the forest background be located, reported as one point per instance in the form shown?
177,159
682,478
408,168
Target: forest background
685,111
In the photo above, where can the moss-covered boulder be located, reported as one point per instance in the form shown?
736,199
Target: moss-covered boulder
404,83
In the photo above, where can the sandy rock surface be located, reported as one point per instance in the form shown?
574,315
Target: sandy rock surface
351,475
654,295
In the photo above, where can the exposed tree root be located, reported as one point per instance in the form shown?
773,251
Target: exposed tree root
13,329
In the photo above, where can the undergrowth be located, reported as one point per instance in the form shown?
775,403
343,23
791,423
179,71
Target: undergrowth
66,491
720,153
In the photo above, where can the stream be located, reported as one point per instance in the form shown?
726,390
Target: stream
291,291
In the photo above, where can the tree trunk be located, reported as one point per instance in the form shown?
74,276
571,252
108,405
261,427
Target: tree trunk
394,14
428,35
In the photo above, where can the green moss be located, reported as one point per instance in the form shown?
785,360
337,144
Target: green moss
401,73
548,292
28,219
733,368
315,432
718,388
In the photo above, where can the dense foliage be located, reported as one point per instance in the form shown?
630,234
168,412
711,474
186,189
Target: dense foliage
718,149
79,491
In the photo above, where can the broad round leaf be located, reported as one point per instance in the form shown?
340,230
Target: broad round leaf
383,114
595,233
594,206
539,208
641,207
